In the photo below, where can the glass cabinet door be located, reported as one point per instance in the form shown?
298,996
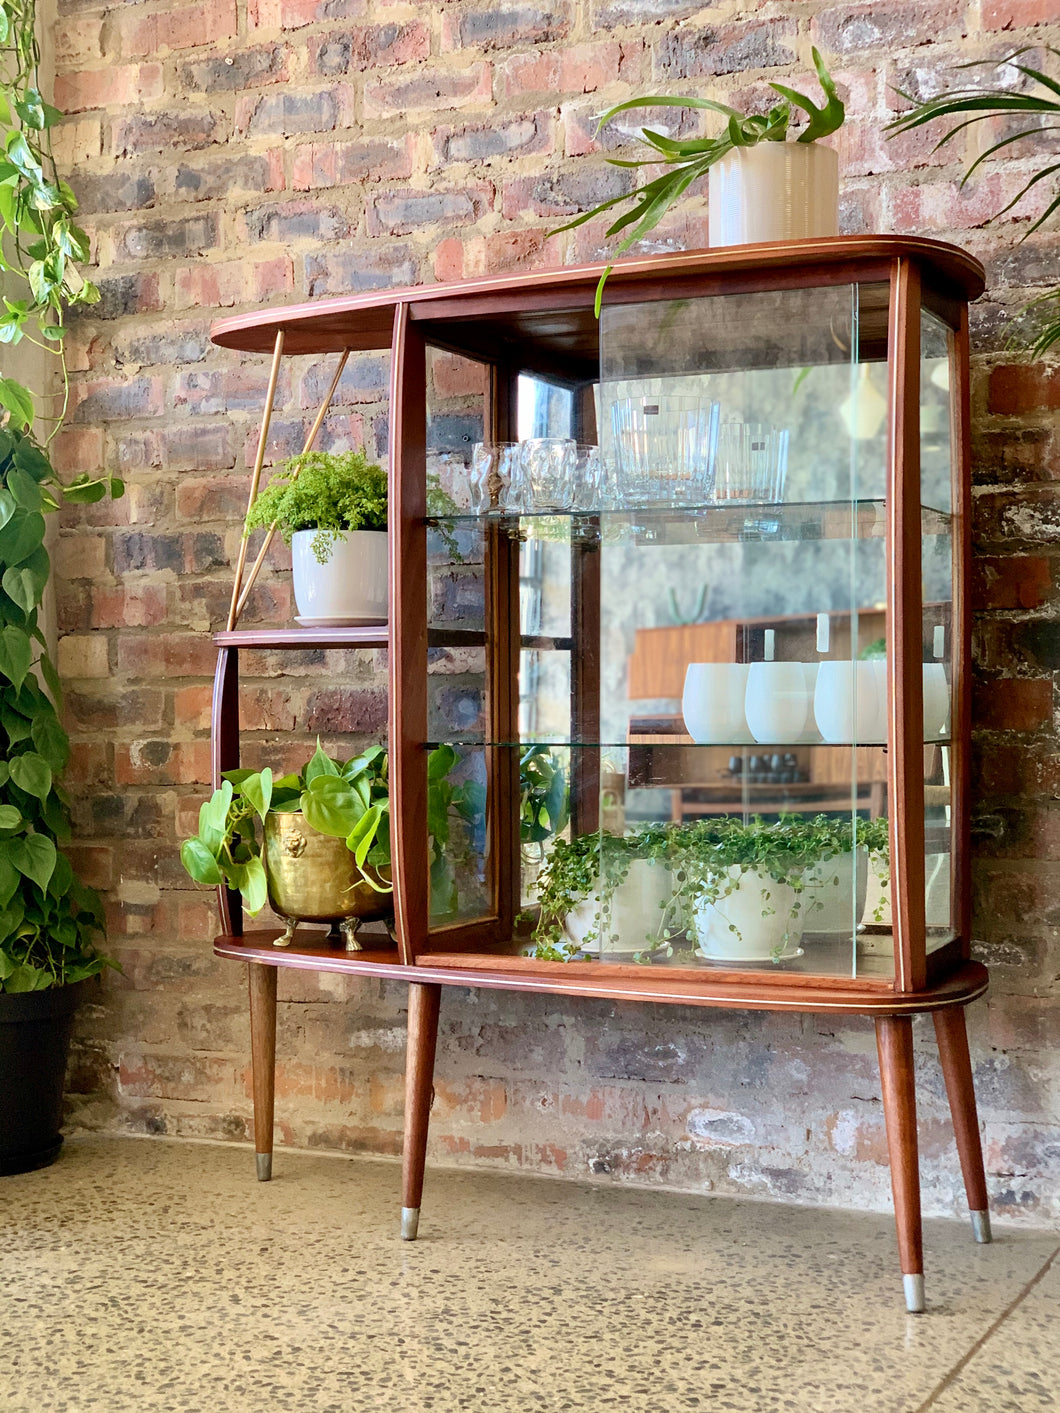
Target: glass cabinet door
738,721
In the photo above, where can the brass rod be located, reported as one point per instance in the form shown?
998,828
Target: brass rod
306,449
255,480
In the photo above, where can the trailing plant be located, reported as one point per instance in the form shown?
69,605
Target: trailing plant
687,159
329,492
705,861
50,924
41,246
1034,112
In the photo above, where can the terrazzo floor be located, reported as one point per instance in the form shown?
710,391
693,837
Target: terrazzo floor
149,1276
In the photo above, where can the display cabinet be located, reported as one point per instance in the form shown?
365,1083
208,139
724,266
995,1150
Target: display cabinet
690,622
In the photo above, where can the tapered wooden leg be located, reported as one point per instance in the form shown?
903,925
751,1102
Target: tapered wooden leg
263,1061
424,1002
894,1042
952,1035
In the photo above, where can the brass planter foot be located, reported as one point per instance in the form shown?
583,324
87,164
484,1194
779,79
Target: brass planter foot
349,926
287,936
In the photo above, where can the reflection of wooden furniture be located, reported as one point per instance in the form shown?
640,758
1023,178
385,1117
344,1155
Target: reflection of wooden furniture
545,322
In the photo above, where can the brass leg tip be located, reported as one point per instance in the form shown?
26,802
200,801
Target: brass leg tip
263,1162
914,1294
981,1227
410,1223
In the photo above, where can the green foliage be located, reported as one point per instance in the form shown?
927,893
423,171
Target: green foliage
49,923
544,798
705,860
344,799
323,491
347,800
1030,114
687,159
41,245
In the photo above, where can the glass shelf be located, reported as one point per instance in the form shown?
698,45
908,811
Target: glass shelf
710,523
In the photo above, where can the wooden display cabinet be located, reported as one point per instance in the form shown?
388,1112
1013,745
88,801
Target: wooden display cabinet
868,540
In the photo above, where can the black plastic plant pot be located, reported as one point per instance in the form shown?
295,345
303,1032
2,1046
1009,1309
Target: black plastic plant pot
35,1029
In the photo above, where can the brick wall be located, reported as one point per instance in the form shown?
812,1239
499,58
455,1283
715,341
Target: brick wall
230,155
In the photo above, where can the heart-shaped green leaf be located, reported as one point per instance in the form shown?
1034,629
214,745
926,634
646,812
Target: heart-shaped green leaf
331,807
16,654
34,856
199,862
254,887
32,773
50,739
258,790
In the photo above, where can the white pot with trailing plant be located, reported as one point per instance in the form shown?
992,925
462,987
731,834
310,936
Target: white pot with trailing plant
747,885
607,895
835,889
768,181
331,508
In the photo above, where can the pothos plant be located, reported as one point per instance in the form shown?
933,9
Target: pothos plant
687,159
347,800
42,247
49,923
343,799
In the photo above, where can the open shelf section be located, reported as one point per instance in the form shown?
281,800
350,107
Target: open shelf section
375,635
723,522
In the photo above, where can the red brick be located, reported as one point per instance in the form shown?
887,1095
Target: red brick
128,606
1013,704
1017,389
183,27
1012,581
1016,14
126,85
370,47
429,91
570,69
162,762
319,165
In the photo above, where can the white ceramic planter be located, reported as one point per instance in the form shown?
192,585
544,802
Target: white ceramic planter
634,913
936,702
777,704
713,702
753,923
850,702
775,191
834,891
351,588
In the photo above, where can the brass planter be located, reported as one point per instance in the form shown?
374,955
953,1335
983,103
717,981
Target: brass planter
313,878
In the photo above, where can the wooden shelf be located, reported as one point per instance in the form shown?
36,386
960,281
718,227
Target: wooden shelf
373,636
615,982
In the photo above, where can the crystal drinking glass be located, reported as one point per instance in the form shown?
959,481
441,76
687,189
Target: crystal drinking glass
495,481
665,448
548,466
752,462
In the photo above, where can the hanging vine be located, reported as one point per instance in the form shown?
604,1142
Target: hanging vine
42,246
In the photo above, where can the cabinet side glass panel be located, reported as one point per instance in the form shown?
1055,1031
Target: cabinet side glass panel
936,482
457,761
742,691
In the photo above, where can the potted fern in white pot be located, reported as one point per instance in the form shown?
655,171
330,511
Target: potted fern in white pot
331,508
